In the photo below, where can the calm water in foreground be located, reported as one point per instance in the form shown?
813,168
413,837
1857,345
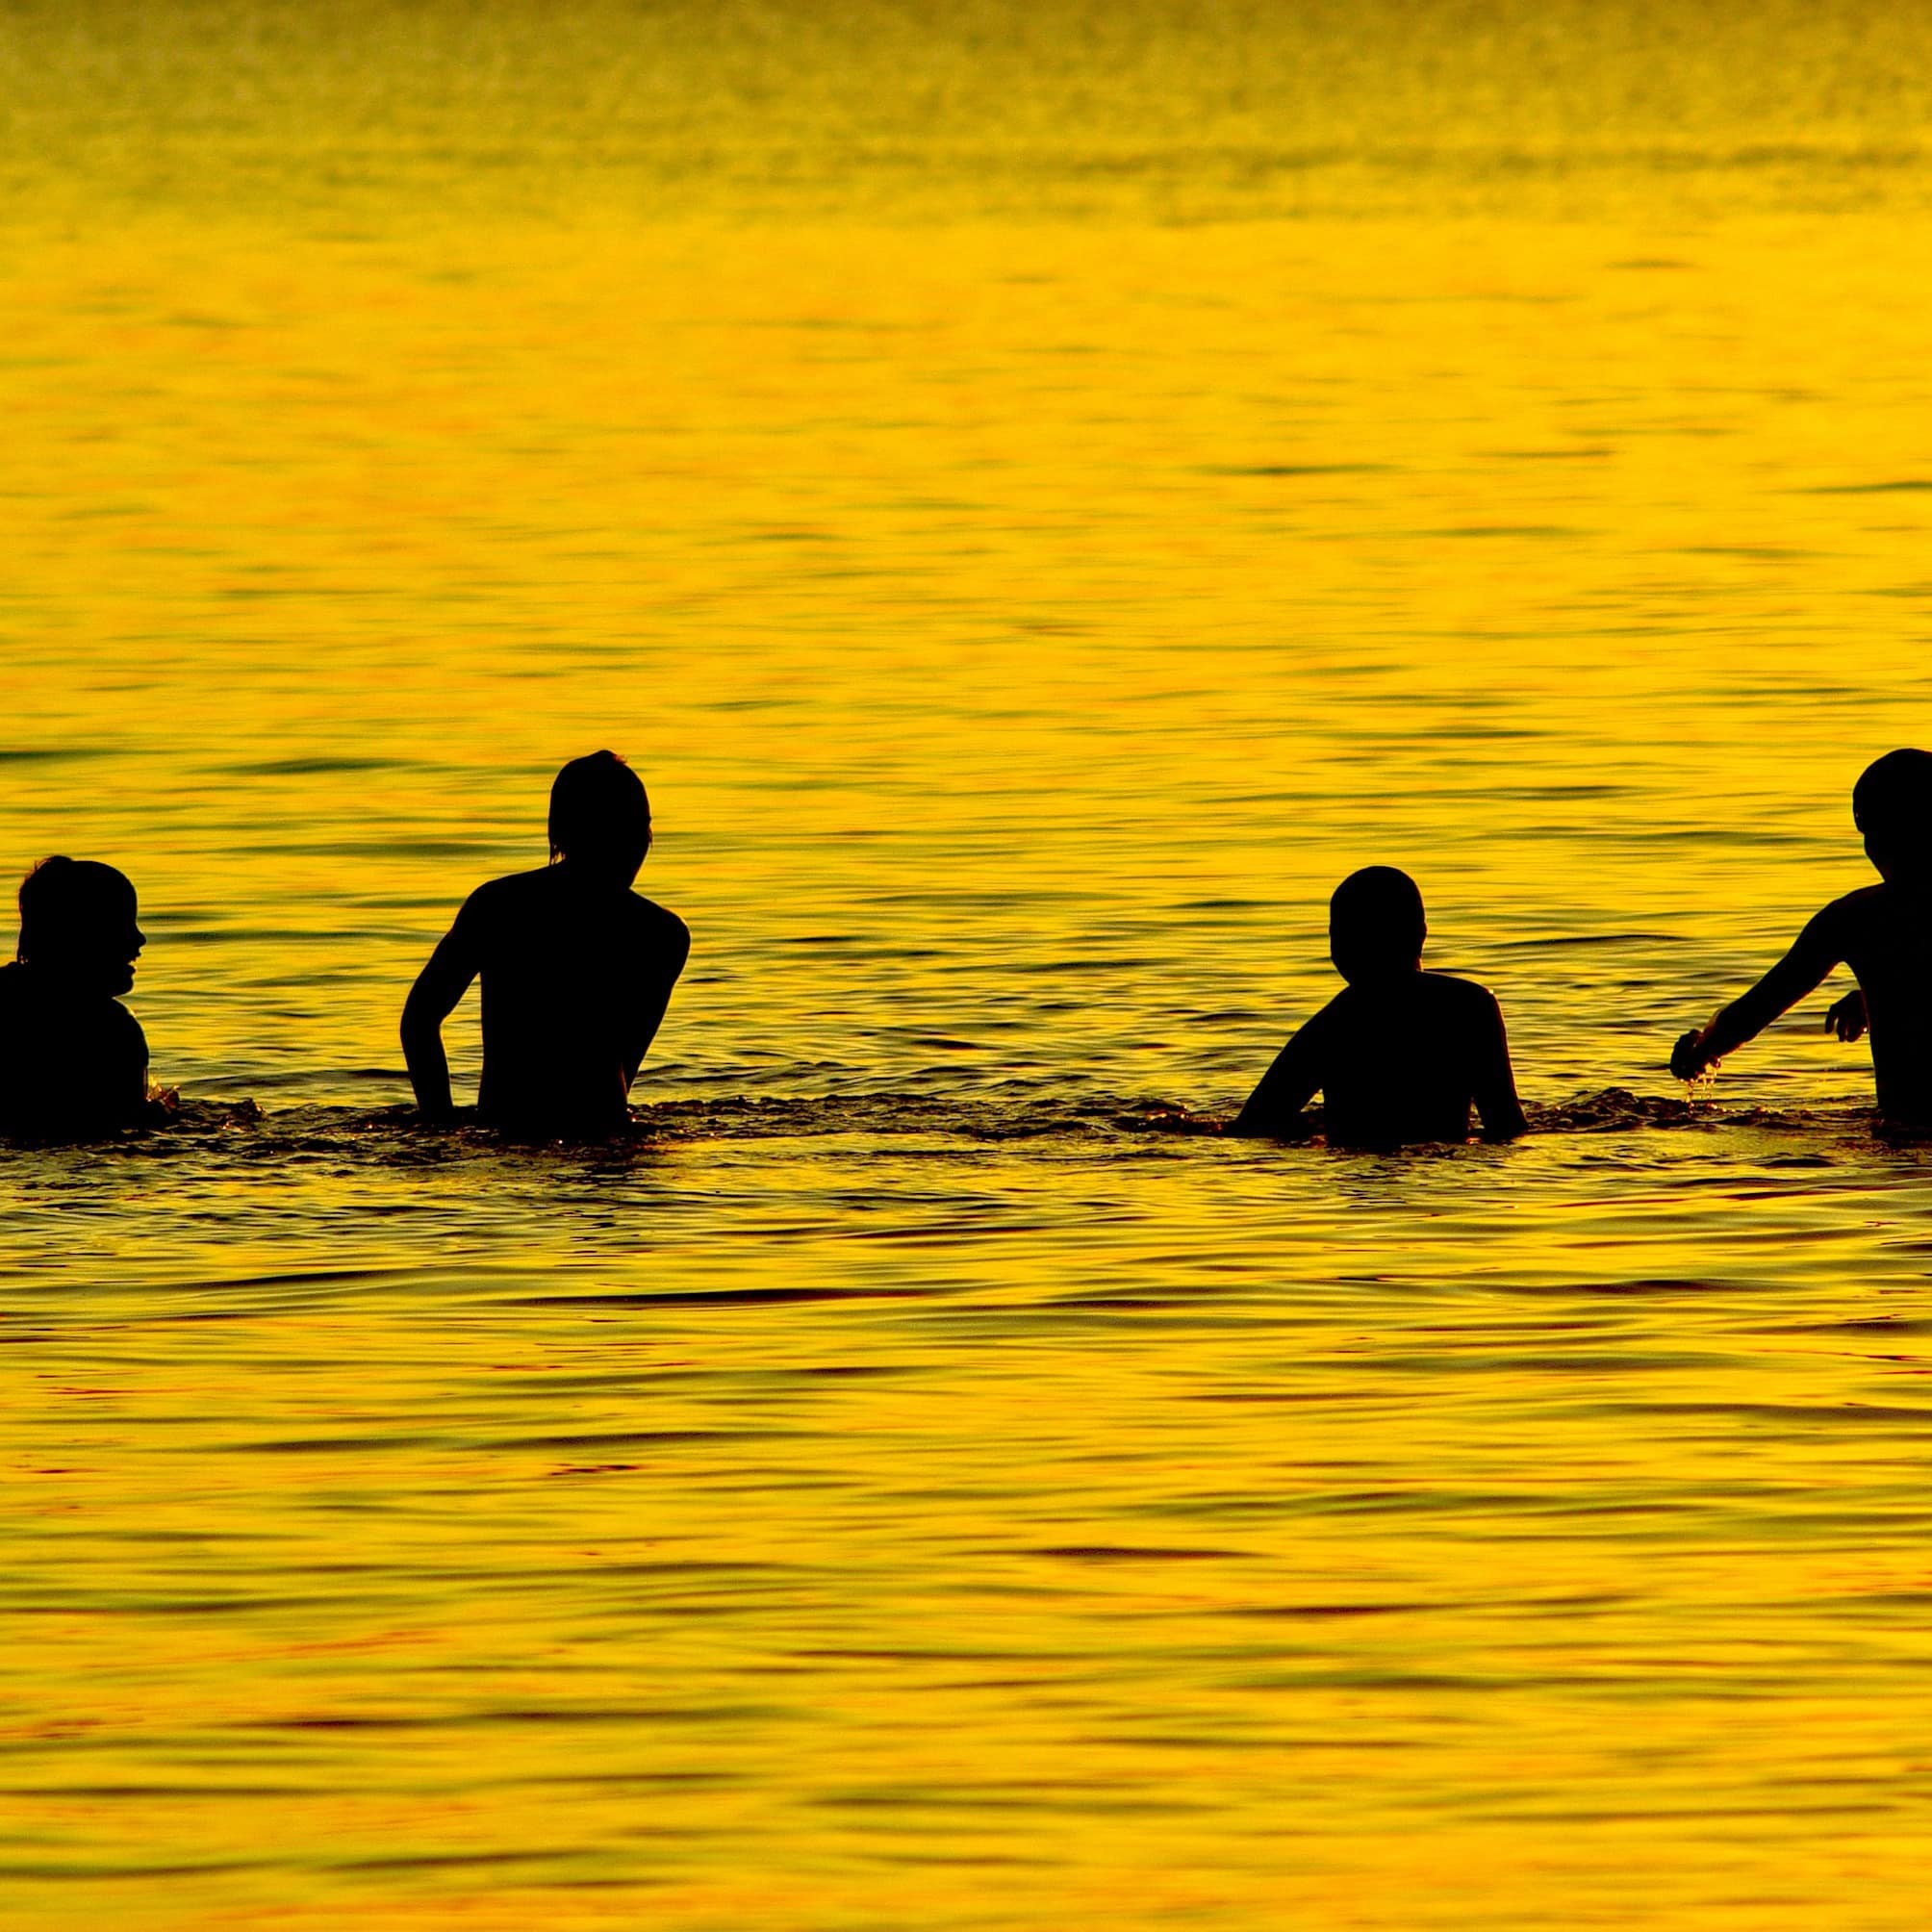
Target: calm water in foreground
1037,511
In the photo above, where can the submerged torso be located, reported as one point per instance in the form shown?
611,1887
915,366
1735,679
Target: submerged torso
1885,935
1401,1058
568,965
69,1063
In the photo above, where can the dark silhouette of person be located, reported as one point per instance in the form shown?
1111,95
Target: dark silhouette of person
1399,1055
1884,934
577,970
73,1060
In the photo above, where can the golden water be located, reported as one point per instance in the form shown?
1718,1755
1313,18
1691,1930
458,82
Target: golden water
1040,493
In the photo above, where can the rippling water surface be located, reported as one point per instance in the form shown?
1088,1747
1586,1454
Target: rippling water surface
1041,495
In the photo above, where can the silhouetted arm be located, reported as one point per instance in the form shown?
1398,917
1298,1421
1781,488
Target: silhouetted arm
1848,1017
1817,951
649,1015
441,982
130,1104
1495,1082
1274,1108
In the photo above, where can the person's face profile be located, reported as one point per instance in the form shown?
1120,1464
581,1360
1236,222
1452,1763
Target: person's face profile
98,949
113,946
129,942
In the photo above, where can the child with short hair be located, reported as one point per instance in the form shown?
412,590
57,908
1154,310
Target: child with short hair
1399,1055
1884,934
73,1060
577,970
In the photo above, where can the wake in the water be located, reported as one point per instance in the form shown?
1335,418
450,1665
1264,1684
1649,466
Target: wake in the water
398,1134
577,971
1609,1110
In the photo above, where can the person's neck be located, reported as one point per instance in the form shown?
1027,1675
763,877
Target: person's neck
601,877
1385,977
58,976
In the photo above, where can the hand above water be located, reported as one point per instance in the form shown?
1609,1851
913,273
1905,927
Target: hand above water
1686,1056
1848,1017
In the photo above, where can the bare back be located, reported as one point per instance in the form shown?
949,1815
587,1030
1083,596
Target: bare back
71,1063
576,972
1396,1060
1884,934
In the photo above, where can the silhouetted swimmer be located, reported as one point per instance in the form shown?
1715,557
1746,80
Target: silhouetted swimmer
577,970
1399,1054
1884,934
73,1060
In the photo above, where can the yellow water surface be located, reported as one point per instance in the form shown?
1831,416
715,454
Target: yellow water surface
1040,494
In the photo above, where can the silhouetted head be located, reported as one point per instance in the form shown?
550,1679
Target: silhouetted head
600,816
1376,928
78,925
1891,805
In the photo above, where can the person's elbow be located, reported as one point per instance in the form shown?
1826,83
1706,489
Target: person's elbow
419,1029
421,1026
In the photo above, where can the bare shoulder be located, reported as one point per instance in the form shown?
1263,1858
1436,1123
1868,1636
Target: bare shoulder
1849,914
1464,995
520,884
658,927
511,894
127,1032
1867,900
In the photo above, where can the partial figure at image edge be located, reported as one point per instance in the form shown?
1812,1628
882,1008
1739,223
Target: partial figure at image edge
1883,932
73,1060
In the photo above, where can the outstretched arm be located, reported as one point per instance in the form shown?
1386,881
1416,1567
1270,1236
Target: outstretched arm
437,988
649,1013
1815,953
1495,1082
1273,1108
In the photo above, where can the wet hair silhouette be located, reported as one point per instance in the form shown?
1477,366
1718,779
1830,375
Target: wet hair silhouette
78,910
1891,805
1376,923
600,812
577,969
73,1060
1883,932
1399,1054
